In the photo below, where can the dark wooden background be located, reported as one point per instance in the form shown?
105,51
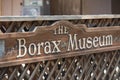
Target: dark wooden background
77,7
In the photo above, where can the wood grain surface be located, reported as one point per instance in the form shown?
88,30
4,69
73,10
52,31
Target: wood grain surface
47,34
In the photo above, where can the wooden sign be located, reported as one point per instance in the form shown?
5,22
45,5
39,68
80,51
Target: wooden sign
62,39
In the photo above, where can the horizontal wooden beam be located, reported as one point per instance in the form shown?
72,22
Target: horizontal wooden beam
56,17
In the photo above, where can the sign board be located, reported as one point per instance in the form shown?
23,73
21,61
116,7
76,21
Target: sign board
59,40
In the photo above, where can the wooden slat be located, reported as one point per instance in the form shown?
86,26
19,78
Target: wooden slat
117,63
34,72
44,70
77,68
110,64
13,74
0,7
53,70
98,65
67,72
59,72
24,72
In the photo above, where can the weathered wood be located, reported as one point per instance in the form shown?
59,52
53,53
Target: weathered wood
101,63
56,17
59,7
66,48
0,7
93,66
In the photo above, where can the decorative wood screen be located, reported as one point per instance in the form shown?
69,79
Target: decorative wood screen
100,66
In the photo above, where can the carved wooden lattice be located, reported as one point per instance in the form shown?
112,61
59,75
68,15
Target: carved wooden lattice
102,66
25,26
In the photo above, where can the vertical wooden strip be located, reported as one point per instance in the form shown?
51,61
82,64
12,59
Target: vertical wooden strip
112,60
24,72
85,67
65,7
76,69
112,73
89,70
44,70
98,66
11,7
0,7
58,75
34,72
6,7
13,74
103,67
53,69
69,68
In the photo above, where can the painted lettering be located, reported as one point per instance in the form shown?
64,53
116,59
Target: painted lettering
22,48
